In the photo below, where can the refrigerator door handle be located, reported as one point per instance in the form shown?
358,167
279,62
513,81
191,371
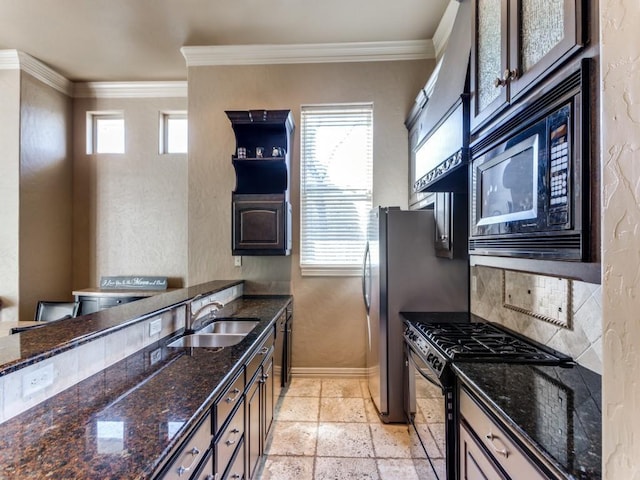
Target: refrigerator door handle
366,278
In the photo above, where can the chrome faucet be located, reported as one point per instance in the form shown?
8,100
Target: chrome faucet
205,310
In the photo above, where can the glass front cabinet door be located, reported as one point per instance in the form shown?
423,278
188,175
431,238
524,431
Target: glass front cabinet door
516,43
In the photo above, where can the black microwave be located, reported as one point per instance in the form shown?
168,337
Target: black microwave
528,192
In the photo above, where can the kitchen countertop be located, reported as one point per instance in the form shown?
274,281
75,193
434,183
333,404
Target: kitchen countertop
56,337
5,327
557,409
123,422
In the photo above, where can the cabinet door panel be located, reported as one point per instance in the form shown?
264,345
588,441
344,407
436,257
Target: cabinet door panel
545,33
474,464
442,214
516,43
268,400
253,427
260,225
490,55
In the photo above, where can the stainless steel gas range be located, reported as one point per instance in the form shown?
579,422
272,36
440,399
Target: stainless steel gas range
432,342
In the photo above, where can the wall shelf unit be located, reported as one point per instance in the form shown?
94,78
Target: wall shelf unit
260,202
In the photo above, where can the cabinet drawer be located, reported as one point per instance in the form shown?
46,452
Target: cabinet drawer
228,440
263,351
191,453
505,452
236,470
474,462
206,471
231,397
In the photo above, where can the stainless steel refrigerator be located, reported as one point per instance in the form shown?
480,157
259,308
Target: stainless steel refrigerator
402,274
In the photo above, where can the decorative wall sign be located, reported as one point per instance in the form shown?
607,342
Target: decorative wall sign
545,298
133,283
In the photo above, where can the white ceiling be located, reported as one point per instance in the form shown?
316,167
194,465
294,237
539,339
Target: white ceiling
135,40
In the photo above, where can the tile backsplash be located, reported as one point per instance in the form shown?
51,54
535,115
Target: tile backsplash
582,303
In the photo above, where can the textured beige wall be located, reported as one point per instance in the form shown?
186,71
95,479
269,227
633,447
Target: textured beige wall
620,62
45,195
130,210
329,315
9,192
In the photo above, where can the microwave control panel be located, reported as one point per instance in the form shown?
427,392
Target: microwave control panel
559,166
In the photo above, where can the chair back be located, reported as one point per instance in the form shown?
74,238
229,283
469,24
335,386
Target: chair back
48,311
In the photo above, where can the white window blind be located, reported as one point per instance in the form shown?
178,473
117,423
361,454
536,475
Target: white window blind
336,177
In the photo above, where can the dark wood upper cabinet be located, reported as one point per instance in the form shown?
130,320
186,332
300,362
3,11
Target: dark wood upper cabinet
450,211
516,44
260,202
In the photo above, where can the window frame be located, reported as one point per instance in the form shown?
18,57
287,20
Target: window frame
163,131
93,118
354,268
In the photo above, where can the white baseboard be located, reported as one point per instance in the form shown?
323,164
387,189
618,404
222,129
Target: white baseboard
309,372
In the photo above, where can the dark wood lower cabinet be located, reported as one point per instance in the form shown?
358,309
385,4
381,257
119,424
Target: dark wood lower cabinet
253,427
267,399
259,414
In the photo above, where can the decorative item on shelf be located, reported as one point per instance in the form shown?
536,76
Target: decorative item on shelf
133,283
277,152
242,152
259,152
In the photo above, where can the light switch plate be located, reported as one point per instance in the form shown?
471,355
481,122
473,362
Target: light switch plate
155,327
237,261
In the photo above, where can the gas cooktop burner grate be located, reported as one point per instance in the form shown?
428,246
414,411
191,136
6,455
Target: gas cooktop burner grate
486,342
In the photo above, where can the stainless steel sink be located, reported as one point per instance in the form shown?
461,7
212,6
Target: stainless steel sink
207,340
236,326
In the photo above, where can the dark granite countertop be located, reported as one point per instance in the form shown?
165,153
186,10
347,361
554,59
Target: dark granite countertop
556,409
125,421
20,350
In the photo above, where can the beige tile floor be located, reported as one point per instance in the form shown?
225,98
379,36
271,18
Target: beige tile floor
328,429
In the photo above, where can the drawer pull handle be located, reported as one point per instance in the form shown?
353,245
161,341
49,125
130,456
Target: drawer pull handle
236,392
182,469
232,432
236,475
264,350
502,451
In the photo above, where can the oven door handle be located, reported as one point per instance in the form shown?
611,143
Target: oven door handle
415,361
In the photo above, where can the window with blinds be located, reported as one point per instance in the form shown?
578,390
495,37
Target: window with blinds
336,177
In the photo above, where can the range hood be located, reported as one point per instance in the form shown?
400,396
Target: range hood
443,155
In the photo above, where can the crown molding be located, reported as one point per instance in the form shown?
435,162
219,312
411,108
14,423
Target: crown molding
443,31
130,89
197,56
15,59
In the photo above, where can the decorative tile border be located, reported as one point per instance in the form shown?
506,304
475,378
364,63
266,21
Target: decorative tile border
544,298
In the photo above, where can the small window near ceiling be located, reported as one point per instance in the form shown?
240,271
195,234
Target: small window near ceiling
336,178
105,132
173,132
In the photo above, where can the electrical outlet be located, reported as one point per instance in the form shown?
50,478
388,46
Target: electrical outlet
155,327
237,261
37,380
155,356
